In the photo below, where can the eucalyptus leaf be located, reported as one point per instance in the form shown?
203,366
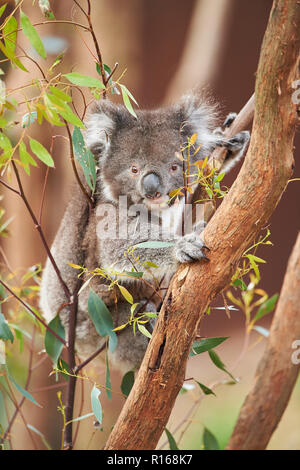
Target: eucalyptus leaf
42,154
127,383
85,157
84,80
154,244
209,440
52,345
206,344
172,442
5,331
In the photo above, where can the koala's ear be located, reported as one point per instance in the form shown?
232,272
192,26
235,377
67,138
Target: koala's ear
198,114
100,126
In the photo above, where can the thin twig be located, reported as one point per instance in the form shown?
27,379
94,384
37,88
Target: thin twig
32,312
41,233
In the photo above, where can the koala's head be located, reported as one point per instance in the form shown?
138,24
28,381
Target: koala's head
137,157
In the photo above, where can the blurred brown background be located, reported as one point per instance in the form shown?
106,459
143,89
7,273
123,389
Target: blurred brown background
168,47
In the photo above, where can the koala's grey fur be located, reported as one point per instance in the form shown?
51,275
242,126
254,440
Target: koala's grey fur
120,142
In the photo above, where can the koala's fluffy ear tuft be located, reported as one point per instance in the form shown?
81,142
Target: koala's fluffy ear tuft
100,126
199,115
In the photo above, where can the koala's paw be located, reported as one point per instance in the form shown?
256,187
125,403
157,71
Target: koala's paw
189,248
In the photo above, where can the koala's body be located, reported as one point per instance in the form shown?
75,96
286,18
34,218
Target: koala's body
138,168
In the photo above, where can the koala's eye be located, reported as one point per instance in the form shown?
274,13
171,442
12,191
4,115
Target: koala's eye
134,170
174,167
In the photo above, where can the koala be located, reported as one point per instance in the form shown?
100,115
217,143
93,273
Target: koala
137,170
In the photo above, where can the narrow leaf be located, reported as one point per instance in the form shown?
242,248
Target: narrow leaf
126,100
127,296
85,158
42,154
84,80
107,379
5,332
144,331
206,390
218,363
206,344
265,308
154,244
209,440
24,392
102,319
10,34
172,442
127,383
52,345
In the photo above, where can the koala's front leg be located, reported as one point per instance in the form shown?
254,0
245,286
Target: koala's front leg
190,248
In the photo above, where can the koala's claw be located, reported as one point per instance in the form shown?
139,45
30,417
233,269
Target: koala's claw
189,248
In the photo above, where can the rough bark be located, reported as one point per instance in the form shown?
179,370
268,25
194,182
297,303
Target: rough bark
276,373
245,210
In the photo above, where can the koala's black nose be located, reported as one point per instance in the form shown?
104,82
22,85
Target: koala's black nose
151,185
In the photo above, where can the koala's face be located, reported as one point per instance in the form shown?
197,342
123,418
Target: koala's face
137,157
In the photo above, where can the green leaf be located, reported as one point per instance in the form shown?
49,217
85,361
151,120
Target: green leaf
240,283
5,332
60,94
85,158
96,405
84,80
144,331
24,392
102,319
172,442
2,9
127,383
209,440
80,418
154,244
206,344
10,34
219,177
265,308
32,35
11,56
126,100
107,379
29,118
39,434
63,109
39,150
263,331
134,274
25,157
127,296
218,363
52,345
206,390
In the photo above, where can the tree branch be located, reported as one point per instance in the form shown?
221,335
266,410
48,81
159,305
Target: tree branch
243,212
276,374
